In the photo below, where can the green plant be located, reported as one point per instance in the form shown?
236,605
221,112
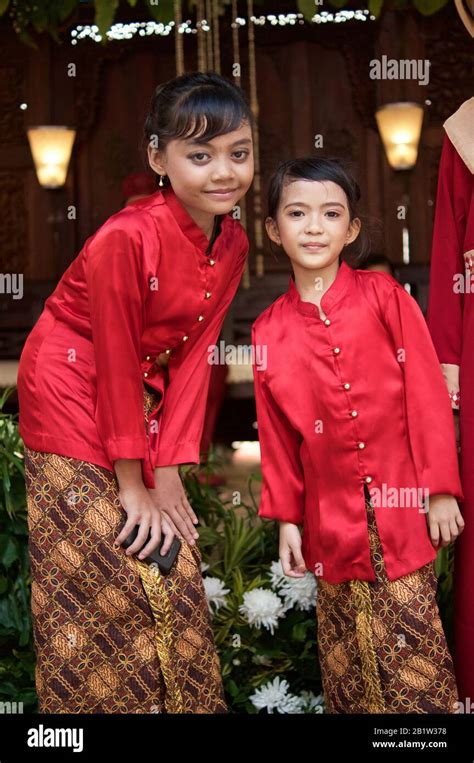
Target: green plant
239,549
444,570
17,658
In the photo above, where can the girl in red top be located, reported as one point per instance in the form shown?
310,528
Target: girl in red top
358,446
112,387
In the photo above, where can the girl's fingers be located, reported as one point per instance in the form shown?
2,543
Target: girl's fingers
453,529
299,561
180,523
166,518
460,521
285,561
289,569
189,509
169,536
141,538
155,538
130,523
445,533
434,533
183,513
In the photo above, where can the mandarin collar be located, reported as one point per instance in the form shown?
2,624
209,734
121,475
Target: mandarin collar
344,277
190,228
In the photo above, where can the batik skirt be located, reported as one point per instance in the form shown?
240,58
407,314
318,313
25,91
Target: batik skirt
381,644
111,634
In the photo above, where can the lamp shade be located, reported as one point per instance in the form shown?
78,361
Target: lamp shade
400,128
51,148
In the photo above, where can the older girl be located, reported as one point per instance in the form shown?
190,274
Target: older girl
112,386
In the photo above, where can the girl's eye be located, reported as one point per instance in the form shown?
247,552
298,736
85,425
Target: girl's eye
296,212
333,214
202,155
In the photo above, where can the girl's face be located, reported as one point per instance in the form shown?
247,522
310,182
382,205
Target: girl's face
210,177
313,223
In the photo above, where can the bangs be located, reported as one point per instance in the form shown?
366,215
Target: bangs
204,113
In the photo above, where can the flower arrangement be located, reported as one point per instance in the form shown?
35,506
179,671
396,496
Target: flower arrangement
264,622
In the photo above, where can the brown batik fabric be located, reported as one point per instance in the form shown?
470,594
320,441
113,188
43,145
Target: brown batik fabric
381,644
111,634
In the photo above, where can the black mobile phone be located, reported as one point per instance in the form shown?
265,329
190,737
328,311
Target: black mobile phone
165,562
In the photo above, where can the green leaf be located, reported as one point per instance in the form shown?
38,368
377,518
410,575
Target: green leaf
375,7
429,7
163,12
308,8
65,8
8,551
104,15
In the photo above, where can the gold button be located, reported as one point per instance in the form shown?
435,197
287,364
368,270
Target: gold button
201,318
336,350
327,322
208,294
347,385
167,352
212,262
361,445
145,375
185,338
368,480
354,414
148,357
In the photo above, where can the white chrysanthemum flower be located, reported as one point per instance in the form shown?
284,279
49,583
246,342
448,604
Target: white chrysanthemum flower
291,704
215,592
204,566
313,703
296,592
262,607
274,696
277,576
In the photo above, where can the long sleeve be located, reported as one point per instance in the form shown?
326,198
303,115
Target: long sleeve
117,292
184,407
283,492
445,301
428,410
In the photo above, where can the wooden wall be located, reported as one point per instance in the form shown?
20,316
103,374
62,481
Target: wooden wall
311,79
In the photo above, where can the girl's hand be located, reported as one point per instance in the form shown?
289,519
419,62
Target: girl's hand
290,550
141,511
169,498
444,519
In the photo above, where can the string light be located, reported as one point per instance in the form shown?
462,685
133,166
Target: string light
149,28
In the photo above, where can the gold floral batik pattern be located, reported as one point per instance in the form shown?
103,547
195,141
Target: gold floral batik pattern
381,644
111,635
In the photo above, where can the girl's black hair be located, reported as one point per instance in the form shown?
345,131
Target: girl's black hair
320,169
201,105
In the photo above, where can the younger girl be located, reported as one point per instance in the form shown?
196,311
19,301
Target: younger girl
112,385
358,446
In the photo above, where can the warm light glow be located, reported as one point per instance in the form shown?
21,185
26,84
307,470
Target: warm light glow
246,451
400,128
51,148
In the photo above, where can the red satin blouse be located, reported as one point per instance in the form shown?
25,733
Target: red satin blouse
142,285
355,399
